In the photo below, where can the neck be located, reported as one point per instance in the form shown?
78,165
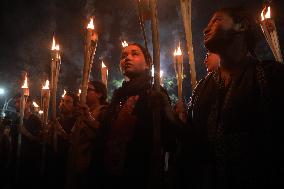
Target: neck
94,104
67,115
232,56
131,77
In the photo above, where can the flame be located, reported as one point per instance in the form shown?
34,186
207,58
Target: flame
79,92
91,24
46,86
54,45
177,51
124,44
267,14
64,93
40,112
25,85
35,104
103,65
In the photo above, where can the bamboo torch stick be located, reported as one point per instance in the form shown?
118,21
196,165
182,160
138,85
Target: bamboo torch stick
268,27
157,156
91,39
24,95
45,98
186,15
55,67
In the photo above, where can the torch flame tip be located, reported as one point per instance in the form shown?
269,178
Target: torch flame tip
64,93
265,13
35,104
103,65
91,24
25,85
54,45
124,44
46,86
177,51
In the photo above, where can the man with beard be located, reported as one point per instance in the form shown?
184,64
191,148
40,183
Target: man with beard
64,124
233,139
127,128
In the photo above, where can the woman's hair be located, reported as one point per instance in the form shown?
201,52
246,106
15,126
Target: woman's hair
243,15
74,96
100,87
146,54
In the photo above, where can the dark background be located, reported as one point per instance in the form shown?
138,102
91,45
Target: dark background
27,28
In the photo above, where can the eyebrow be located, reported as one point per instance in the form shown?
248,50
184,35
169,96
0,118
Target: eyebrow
132,51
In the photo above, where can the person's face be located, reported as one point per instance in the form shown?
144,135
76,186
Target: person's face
132,61
66,104
219,32
92,95
212,61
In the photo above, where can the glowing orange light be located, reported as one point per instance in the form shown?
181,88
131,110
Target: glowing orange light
267,14
54,45
25,85
46,86
177,51
103,65
91,24
35,104
124,44
64,93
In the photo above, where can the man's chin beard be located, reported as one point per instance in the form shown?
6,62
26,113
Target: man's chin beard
215,46
220,44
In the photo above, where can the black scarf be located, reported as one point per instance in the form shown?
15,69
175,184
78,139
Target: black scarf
133,87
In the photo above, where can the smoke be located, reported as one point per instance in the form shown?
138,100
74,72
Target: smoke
89,8
28,28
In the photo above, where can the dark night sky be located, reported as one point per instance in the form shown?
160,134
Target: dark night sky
27,27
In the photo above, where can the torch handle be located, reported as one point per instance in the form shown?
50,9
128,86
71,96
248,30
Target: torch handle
90,49
186,15
20,126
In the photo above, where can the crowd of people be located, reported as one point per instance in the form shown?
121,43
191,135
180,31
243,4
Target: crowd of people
228,136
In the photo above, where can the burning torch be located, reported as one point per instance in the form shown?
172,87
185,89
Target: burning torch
91,39
24,96
55,68
45,98
178,65
268,27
